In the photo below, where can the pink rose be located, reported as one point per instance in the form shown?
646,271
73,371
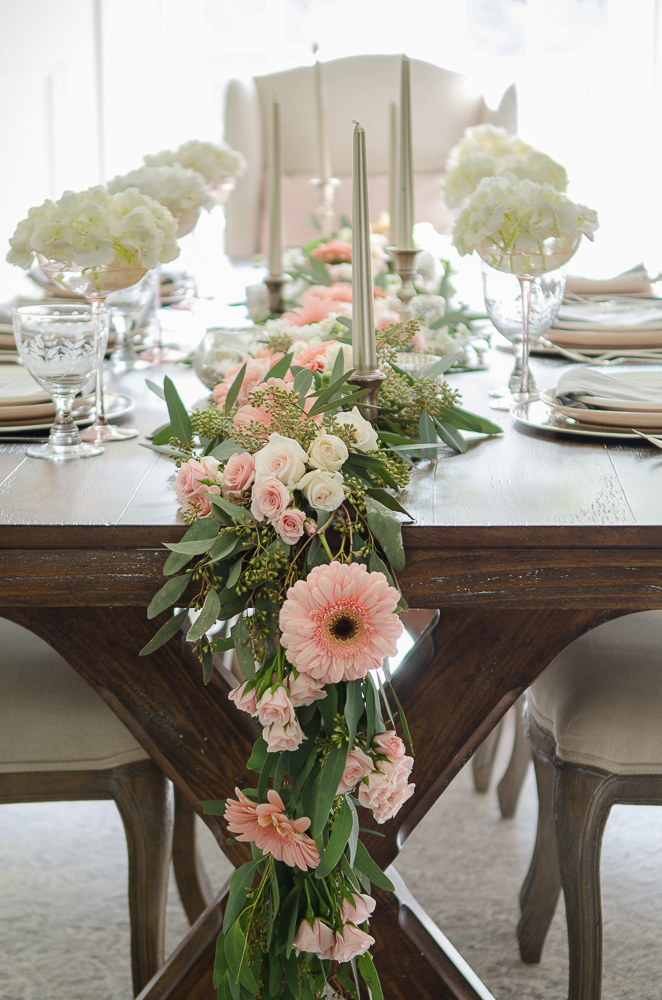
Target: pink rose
333,252
386,789
273,356
390,744
237,476
316,939
279,738
290,525
350,942
243,698
190,490
304,689
256,369
277,383
310,526
269,499
275,706
248,414
359,910
392,807
397,771
358,766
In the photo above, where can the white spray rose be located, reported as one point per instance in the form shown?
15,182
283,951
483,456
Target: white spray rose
366,435
332,353
213,161
281,458
323,490
176,187
328,452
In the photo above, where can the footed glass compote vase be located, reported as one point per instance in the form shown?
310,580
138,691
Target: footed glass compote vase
62,346
95,283
523,293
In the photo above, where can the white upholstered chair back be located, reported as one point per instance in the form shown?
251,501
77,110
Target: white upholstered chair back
361,87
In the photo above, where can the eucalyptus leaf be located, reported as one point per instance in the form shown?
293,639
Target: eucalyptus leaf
243,648
281,368
207,617
369,976
179,418
451,436
168,594
194,548
234,574
220,961
442,365
236,952
353,708
332,772
377,493
157,389
388,531
175,562
320,273
166,632
342,828
233,391
354,835
207,660
467,421
302,382
226,449
428,432
232,509
164,449
224,546
258,756
365,864
240,883
212,807
162,434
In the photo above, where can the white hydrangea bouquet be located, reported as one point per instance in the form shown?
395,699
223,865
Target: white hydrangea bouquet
219,164
293,546
183,191
94,229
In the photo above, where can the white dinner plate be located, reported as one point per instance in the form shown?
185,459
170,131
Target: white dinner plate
17,387
539,416
116,406
613,314
604,418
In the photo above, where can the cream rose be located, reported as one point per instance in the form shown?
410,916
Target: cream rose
366,435
323,490
282,458
269,499
327,452
332,352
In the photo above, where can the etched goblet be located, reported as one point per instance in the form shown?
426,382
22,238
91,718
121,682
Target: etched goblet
62,346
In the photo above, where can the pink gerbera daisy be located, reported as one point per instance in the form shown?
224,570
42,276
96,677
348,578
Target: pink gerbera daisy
339,623
273,831
241,817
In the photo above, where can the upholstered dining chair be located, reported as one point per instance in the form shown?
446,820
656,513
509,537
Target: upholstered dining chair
593,718
60,741
482,762
362,87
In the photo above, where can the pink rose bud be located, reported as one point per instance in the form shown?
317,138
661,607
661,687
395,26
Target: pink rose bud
359,911
279,738
317,939
244,697
310,526
275,706
238,474
390,744
358,765
350,942
304,689
289,525
269,499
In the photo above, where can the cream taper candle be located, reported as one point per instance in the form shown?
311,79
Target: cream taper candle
393,174
405,223
275,195
363,323
324,150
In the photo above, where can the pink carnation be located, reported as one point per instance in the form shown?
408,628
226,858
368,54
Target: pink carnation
390,744
283,737
275,706
317,939
256,370
290,525
350,942
359,910
284,837
244,697
333,252
313,357
269,499
339,622
357,766
189,489
249,414
304,689
238,475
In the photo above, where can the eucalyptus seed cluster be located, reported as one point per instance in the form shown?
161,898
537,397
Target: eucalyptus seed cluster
397,337
210,422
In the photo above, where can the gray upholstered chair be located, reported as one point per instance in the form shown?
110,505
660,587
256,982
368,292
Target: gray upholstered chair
482,762
60,741
594,720
363,87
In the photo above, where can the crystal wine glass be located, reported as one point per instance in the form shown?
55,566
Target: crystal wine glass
94,284
62,346
125,306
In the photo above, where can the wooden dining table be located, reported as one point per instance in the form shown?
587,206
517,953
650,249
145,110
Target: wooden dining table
521,545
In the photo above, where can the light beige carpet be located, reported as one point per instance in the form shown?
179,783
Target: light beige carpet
64,931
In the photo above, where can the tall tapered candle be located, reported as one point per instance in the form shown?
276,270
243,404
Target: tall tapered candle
404,229
324,151
393,173
275,195
363,323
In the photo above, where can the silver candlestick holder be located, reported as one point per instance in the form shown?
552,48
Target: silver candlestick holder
325,214
371,381
275,287
405,265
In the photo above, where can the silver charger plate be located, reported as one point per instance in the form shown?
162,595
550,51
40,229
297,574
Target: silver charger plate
542,417
116,406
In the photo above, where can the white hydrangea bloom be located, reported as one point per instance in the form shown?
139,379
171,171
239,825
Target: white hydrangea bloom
519,215
95,228
178,188
489,140
465,176
213,161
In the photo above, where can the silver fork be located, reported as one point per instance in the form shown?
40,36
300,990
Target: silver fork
654,439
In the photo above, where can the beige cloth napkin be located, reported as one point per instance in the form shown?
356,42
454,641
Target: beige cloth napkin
632,282
589,382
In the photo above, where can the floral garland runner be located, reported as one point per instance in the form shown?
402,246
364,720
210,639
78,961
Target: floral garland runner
293,545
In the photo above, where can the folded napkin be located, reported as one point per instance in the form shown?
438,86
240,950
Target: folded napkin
589,382
632,282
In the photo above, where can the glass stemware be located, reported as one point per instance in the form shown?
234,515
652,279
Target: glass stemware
95,283
62,346
524,294
220,349
126,306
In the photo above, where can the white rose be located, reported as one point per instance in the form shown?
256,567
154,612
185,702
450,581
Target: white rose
327,452
366,435
332,353
322,490
281,458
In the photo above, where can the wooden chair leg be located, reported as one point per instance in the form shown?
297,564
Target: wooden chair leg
510,786
542,885
482,761
143,796
581,806
192,883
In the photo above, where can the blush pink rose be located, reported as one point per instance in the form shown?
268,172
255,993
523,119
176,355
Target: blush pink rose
395,801
390,744
248,414
350,942
358,911
275,706
269,499
304,689
314,357
189,489
386,789
357,766
256,370
238,475
279,738
290,525
244,697
317,939
333,252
